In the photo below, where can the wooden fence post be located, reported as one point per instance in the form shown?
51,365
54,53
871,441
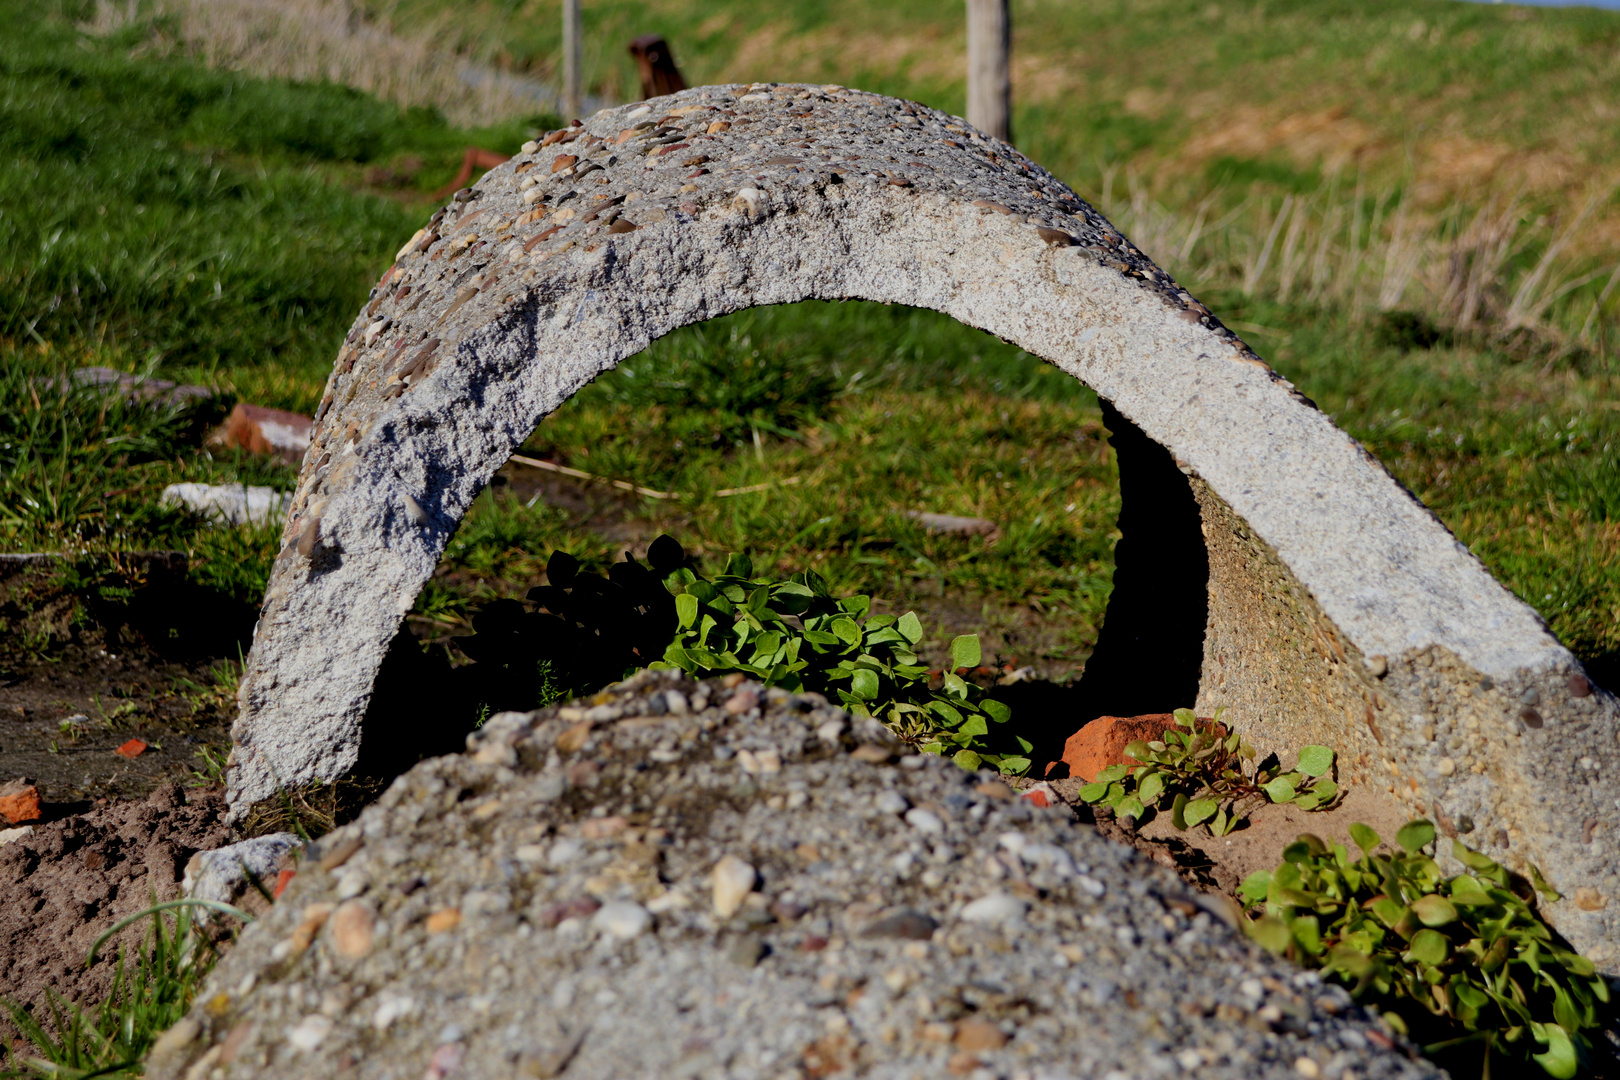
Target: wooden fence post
989,32
571,36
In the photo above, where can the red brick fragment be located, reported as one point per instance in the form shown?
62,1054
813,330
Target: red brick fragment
19,802
1102,742
132,749
259,430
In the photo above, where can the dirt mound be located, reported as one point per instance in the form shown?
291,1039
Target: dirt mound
71,879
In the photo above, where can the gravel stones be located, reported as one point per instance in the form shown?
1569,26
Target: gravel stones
853,948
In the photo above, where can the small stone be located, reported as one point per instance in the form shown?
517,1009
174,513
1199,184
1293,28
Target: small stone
19,802
908,923
745,951
340,853
676,702
9,835
1307,1068
977,1036
891,802
574,738
1531,696
733,880
604,827
1447,766
413,509
445,1061
1589,899
745,699
1531,718
309,1032
924,821
831,731
390,1008
787,910
564,161
564,851
994,908
623,919
352,925
443,920
872,753
757,762
1580,686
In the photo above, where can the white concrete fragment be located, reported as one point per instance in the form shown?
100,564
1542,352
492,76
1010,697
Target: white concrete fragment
229,504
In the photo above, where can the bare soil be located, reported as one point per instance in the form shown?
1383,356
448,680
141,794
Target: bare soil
71,879
74,688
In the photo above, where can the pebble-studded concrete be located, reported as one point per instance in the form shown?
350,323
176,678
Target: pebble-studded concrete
700,880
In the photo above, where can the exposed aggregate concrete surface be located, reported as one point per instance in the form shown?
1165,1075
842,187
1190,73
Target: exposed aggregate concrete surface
682,879
1339,605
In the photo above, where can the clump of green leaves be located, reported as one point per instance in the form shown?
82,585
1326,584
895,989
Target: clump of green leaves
789,632
1209,776
796,634
1461,964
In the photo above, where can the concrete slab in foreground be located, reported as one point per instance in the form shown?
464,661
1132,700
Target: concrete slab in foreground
1336,609
693,881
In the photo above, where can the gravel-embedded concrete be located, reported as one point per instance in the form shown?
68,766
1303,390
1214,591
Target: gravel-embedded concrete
1337,608
682,879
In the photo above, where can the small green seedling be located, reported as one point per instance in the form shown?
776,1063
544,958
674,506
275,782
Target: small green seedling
1461,963
1208,776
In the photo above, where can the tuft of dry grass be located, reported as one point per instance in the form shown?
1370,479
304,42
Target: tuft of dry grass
1500,272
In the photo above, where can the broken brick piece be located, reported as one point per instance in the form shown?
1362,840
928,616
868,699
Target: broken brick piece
1102,742
19,802
259,430
132,749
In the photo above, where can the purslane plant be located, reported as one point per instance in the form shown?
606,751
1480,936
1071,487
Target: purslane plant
1209,776
797,635
787,632
1457,962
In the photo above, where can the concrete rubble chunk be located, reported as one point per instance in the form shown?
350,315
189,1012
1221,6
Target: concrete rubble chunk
229,504
139,388
615,965
226,874
1282,574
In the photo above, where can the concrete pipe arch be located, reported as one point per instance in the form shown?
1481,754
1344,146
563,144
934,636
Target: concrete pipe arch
1336,608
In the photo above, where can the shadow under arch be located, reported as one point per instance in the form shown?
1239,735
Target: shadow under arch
1339,610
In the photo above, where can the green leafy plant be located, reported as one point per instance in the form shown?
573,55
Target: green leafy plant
1463,964
145,999
788,632
796,634
1208,776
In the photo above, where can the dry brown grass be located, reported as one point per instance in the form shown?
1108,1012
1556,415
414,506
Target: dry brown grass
1472,271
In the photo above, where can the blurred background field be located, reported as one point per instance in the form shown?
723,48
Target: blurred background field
1407,208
